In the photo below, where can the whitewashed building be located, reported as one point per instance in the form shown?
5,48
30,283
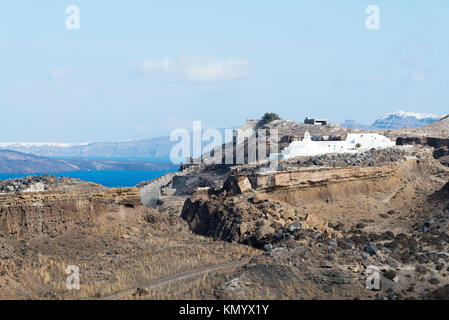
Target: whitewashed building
353,143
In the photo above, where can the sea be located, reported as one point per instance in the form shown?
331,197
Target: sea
105,178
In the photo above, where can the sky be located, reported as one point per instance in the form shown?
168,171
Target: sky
137,69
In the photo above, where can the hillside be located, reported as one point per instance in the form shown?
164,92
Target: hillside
437,129
150,149
307,229
396,120
13,162
351,124
154,149
442,124
18,162
320,222
402,119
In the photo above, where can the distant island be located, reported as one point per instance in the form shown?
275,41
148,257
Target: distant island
396,120
14,162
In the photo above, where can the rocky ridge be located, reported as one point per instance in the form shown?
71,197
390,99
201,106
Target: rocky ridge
323,233
50,205
45,183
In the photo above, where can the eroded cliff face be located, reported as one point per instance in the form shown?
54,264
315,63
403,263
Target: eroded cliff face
117,243
253,207
441,145
425,141
24,215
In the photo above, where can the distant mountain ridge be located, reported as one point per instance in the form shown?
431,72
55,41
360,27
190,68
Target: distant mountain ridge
351,124
13,162
397,120
153,149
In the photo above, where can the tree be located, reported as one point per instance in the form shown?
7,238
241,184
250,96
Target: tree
269,116
358,145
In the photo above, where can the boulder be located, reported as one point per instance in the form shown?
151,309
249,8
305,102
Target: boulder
371,249
243,184
294,226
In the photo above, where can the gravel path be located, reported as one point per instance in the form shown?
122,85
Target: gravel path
195,273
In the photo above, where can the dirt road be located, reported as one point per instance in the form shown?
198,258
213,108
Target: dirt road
194,273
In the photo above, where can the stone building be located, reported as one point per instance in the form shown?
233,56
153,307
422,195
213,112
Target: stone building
319,122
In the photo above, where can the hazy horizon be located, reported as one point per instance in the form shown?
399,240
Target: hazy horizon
4,143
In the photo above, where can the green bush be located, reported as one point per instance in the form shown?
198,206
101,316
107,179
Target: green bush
269,116
358,145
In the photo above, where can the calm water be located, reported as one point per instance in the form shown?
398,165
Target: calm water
105,178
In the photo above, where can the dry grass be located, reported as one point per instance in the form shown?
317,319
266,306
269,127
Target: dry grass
119,251
139,260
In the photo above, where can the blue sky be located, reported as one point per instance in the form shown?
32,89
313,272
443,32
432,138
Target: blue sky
138,69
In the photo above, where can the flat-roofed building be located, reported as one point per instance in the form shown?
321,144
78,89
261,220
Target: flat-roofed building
318,122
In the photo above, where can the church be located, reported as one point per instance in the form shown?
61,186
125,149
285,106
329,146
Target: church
354,142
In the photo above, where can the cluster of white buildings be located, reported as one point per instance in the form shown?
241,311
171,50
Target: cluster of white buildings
354,142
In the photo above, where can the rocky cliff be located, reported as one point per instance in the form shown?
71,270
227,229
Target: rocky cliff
425,141
253,206
441,146
53,211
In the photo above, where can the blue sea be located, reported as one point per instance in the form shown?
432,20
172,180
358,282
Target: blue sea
105,178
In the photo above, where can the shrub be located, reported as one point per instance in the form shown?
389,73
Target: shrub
269,116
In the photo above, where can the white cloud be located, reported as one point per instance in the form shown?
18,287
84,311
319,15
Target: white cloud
418,77
199,69
60,73
415,77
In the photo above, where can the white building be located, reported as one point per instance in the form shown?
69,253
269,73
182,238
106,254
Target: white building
352,144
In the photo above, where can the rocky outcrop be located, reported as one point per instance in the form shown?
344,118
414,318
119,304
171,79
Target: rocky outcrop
425,141
308,178
441,152
440,144
29,214
47,183
227,218
253,207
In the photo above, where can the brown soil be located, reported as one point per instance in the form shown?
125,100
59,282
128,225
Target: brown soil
115,241
308,231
